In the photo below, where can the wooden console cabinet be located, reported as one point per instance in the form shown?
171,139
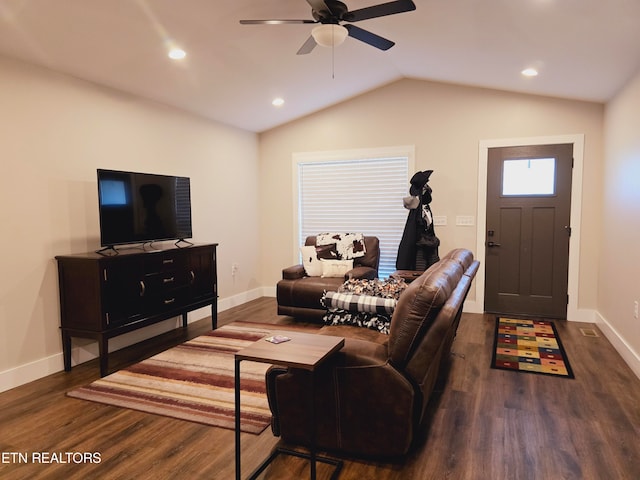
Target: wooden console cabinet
103,296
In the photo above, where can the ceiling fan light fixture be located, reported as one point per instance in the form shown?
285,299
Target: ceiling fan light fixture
329,34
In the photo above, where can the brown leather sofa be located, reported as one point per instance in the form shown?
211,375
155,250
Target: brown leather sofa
371,397
299,295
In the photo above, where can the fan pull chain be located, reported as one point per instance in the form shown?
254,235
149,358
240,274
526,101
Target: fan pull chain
333,53
333,62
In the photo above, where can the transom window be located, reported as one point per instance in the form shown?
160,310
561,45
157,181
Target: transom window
534,176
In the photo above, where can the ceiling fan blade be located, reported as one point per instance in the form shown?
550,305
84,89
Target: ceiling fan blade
319,6
275,22
307,46
389,8
369,38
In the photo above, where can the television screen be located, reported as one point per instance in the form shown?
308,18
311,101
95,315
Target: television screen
142,207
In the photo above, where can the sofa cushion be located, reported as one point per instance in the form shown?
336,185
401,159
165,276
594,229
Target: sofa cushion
306,291
418,307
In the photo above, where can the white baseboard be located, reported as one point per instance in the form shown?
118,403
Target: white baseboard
14,377
239,299
471,306
269,291
586,315
625,350
85,350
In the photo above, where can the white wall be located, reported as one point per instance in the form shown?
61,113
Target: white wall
54,132
446,124
619,266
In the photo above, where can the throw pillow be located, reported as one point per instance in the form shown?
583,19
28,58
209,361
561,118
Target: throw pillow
336,268
310,261
327,251
348,245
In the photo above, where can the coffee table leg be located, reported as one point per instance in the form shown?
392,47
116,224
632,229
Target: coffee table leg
312,446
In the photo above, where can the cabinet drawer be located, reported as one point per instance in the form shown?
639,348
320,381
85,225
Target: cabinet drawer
157,283
165,262
165,301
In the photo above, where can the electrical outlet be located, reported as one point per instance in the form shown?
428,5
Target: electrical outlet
234,269
635,309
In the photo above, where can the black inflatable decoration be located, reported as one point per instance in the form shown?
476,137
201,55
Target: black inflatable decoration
418,249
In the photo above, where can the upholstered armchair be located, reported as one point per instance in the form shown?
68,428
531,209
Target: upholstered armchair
299,294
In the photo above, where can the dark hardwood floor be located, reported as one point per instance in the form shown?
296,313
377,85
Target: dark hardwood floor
483,423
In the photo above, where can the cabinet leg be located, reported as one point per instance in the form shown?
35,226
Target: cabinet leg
184,320
214,315
103,352
66,351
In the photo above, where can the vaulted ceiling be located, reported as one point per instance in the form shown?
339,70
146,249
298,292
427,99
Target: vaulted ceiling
583,49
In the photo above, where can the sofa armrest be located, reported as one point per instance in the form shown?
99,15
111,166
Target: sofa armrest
361,272
293,273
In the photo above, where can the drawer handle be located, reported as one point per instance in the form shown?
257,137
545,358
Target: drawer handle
167,280
193,276
143,288
169,301
165,262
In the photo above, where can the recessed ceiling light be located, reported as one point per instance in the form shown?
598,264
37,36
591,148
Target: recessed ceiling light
177,53
277,102
529,72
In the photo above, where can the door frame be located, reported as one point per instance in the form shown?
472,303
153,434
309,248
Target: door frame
573,313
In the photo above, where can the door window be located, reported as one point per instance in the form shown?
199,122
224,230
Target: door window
531,176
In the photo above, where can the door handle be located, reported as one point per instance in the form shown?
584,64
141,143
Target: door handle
492,244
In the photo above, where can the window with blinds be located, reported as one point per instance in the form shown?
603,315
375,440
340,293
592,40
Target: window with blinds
360,195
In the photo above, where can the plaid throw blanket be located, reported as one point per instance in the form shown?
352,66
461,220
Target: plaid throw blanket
364,303
358,303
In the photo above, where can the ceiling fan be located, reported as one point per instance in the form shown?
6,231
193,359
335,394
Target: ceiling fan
330,13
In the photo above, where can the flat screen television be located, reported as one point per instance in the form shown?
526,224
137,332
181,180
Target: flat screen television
143,207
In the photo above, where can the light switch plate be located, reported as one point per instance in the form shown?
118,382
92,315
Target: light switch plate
465,220
439,220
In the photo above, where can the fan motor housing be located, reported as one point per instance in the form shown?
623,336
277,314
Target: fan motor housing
336,12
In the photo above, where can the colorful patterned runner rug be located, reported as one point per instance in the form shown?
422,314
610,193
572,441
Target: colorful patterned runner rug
529,346
193,381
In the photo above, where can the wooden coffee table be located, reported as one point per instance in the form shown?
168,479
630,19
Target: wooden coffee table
305,351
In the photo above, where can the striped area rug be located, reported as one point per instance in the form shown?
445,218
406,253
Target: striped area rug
193,381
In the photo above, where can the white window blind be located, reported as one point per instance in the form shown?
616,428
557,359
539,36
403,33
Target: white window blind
355,196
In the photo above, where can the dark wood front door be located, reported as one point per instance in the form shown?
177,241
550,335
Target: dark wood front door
527,234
